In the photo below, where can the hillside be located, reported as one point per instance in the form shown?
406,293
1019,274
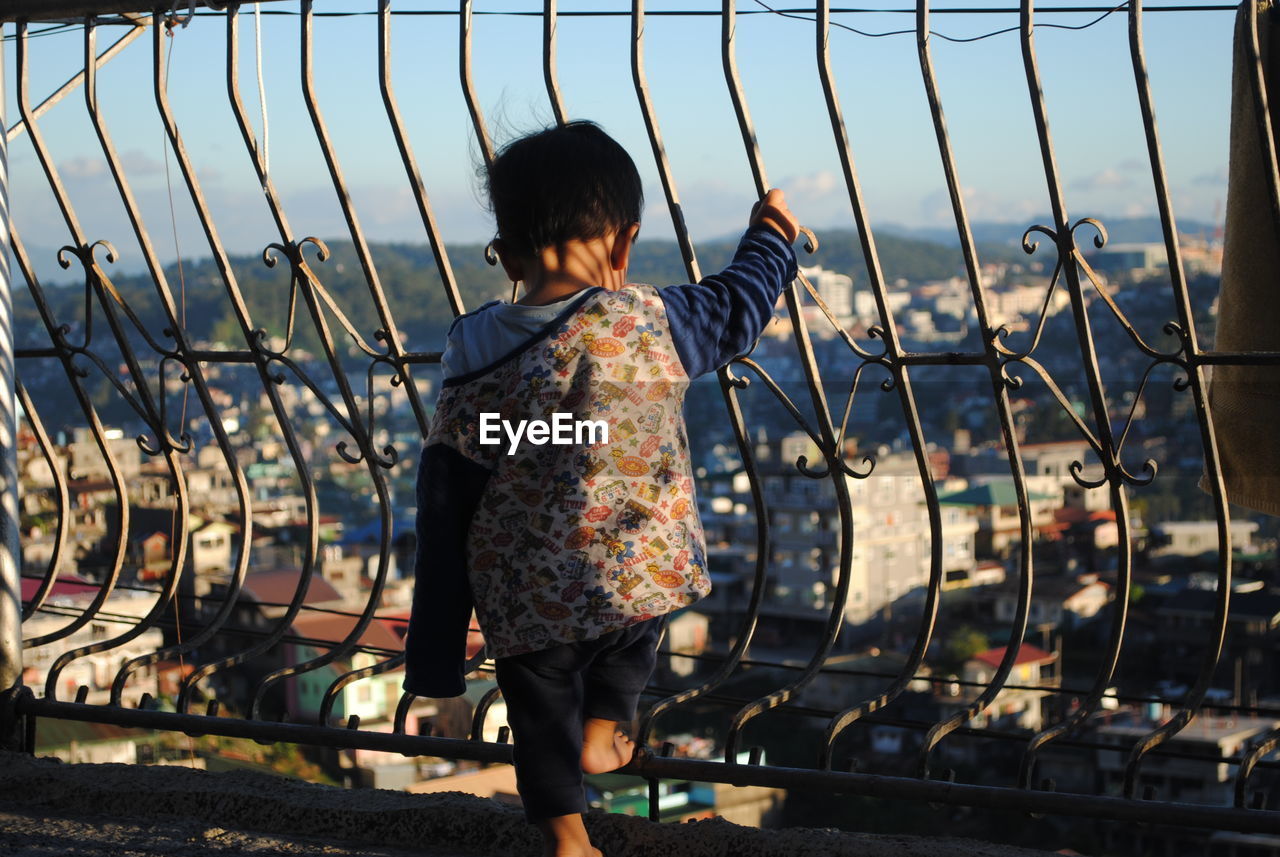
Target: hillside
413,286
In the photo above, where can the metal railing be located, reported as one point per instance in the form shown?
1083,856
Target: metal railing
145,355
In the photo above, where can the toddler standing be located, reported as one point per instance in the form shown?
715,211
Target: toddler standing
555,495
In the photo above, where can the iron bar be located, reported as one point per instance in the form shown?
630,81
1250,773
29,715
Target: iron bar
729,393
549,61
110,302
831,450
468,82
305,280
75,80
191,371
901,381
253,337
73,373
412,173
650,766
1191,702
78,13
388,333
60,498
148,357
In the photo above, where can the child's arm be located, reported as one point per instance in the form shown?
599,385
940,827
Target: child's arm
449,489
719,318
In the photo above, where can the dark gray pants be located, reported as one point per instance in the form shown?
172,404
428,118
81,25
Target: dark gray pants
550,693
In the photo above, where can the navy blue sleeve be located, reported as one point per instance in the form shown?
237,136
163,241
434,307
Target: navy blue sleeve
715,320
449,489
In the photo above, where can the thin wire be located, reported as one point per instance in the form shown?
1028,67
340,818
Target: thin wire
708,13
47,31
781,13
797,14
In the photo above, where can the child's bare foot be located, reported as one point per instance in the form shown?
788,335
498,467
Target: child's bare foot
604,747
566,836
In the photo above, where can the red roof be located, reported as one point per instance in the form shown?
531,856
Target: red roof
1076,515
279,587
1028,654
66,584
334,628
399,623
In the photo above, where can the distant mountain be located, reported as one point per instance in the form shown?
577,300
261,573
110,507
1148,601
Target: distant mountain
413,287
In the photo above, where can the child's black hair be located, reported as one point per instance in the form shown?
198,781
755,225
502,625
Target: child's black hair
567,182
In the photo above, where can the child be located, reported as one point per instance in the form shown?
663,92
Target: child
572,549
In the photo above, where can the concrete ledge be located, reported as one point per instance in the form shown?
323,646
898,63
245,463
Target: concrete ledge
437,824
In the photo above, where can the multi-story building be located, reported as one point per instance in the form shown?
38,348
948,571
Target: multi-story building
68,598
1020,703
891,546
835,289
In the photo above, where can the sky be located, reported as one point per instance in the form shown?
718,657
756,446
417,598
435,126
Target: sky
1087,78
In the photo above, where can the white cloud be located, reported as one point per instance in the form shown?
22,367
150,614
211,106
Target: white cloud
980,204
817,184
134,162
83,168
139,163
1107,179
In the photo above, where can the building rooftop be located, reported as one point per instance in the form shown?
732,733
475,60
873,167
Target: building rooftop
1028,654
1214,730
990,494
279,587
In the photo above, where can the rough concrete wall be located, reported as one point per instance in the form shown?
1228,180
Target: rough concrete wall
438,824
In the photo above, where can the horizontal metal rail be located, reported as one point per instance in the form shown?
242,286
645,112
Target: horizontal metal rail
655,766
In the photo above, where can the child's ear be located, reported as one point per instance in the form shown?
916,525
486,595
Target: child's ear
620,253
513,266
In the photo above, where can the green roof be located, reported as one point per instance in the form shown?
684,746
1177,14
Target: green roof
990,494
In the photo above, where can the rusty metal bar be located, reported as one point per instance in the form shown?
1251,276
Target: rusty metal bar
59,493
468,82
17,128
650,766
901,382
729,386
77,10
191,370
411,166
254,337
151,411
836,470
549,61
65,349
